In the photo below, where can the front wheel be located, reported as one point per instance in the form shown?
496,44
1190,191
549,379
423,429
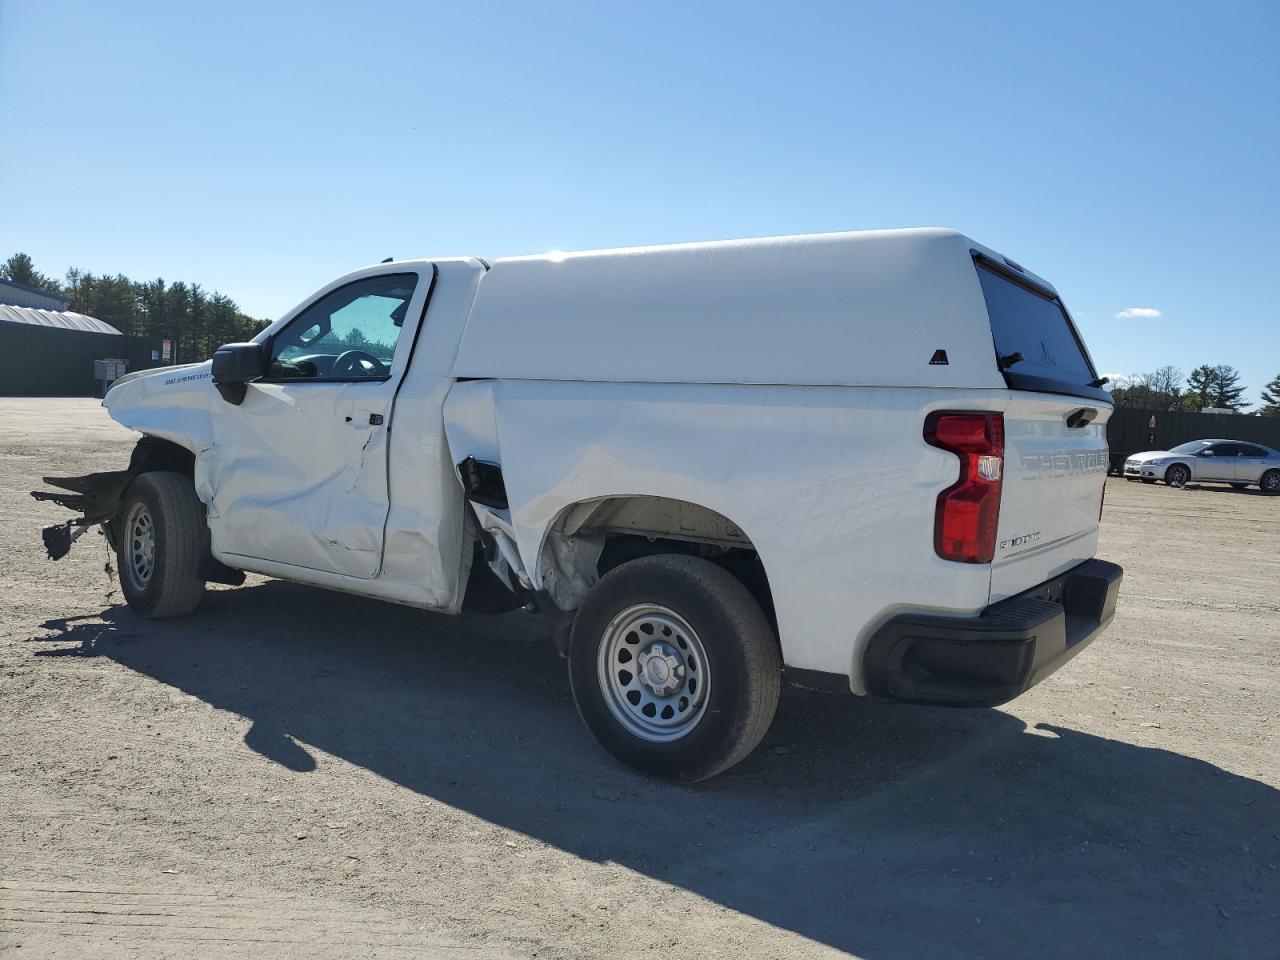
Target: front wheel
674,667
159,534
1177,475
1270,482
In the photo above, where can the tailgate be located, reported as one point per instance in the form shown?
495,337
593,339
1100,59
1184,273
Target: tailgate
1052,491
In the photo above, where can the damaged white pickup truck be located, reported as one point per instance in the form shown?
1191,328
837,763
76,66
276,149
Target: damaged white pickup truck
870,461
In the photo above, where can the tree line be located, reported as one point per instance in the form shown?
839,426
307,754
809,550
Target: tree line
1208,385
196,320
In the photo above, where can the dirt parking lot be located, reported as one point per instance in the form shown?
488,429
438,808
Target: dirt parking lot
294,773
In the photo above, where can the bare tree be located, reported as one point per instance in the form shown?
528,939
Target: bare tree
1166,384
1158,390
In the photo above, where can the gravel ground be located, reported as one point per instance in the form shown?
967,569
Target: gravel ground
294,773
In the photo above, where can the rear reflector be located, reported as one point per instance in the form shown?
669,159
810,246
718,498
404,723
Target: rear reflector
968,511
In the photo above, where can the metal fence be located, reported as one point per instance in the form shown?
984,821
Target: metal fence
1131,431
38,361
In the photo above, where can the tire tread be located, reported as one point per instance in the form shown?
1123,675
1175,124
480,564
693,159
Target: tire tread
753,638
181,526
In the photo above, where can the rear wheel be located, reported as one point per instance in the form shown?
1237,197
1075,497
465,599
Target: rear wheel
1177,475
159,533
674,667
1270,482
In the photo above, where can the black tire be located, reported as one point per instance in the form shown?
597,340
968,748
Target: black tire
743,664
1177,475
170,585
1270,482
1238,486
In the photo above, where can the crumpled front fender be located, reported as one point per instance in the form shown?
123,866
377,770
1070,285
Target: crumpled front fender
175,404
172,403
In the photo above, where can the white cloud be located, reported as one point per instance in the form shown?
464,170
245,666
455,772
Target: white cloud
1138,313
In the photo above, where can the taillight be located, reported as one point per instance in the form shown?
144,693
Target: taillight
964,526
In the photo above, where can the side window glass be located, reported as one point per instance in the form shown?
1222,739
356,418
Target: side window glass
1248,451
349,334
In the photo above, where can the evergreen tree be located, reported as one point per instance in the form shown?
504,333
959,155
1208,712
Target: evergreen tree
19,269
1214,386
1227,391
1199,387
196,321
1271,398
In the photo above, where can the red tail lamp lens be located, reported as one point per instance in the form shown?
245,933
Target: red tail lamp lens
968,511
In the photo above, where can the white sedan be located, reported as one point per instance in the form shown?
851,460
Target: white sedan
1217,461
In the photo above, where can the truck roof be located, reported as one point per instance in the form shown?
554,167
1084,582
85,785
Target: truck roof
864,308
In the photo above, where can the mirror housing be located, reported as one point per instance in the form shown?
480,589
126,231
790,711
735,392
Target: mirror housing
235,365
1206,453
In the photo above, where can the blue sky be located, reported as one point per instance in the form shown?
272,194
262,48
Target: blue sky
1128,151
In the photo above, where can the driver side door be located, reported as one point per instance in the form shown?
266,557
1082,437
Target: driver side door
1217,462
301,475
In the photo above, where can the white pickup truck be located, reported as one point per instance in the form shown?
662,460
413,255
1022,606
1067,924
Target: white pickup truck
871,462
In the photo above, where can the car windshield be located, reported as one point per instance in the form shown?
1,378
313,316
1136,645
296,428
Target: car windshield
1191,447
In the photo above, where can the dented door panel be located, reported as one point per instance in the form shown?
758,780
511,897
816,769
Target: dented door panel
302,479
299,479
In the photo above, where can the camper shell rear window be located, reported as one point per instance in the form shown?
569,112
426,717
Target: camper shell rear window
1036,344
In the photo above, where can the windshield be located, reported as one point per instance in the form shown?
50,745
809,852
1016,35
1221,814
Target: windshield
1036,345
1191,447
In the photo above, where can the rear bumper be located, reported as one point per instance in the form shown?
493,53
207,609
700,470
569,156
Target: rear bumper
988,660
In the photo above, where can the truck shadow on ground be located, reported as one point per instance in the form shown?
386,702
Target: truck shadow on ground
892,832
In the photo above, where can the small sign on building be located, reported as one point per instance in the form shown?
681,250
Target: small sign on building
166,350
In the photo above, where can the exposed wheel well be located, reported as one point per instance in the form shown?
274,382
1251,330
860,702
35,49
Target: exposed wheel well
152,453
591,538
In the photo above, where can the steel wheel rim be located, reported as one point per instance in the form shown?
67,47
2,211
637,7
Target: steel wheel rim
1271,481
653,672
140,545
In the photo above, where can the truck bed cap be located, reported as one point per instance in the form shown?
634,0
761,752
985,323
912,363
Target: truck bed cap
859,309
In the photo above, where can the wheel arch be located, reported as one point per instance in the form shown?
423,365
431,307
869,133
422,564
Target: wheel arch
155,453
588,538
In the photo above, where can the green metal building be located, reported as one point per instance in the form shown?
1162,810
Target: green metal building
47,350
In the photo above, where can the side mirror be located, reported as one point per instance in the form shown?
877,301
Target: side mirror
234,366
1207,453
